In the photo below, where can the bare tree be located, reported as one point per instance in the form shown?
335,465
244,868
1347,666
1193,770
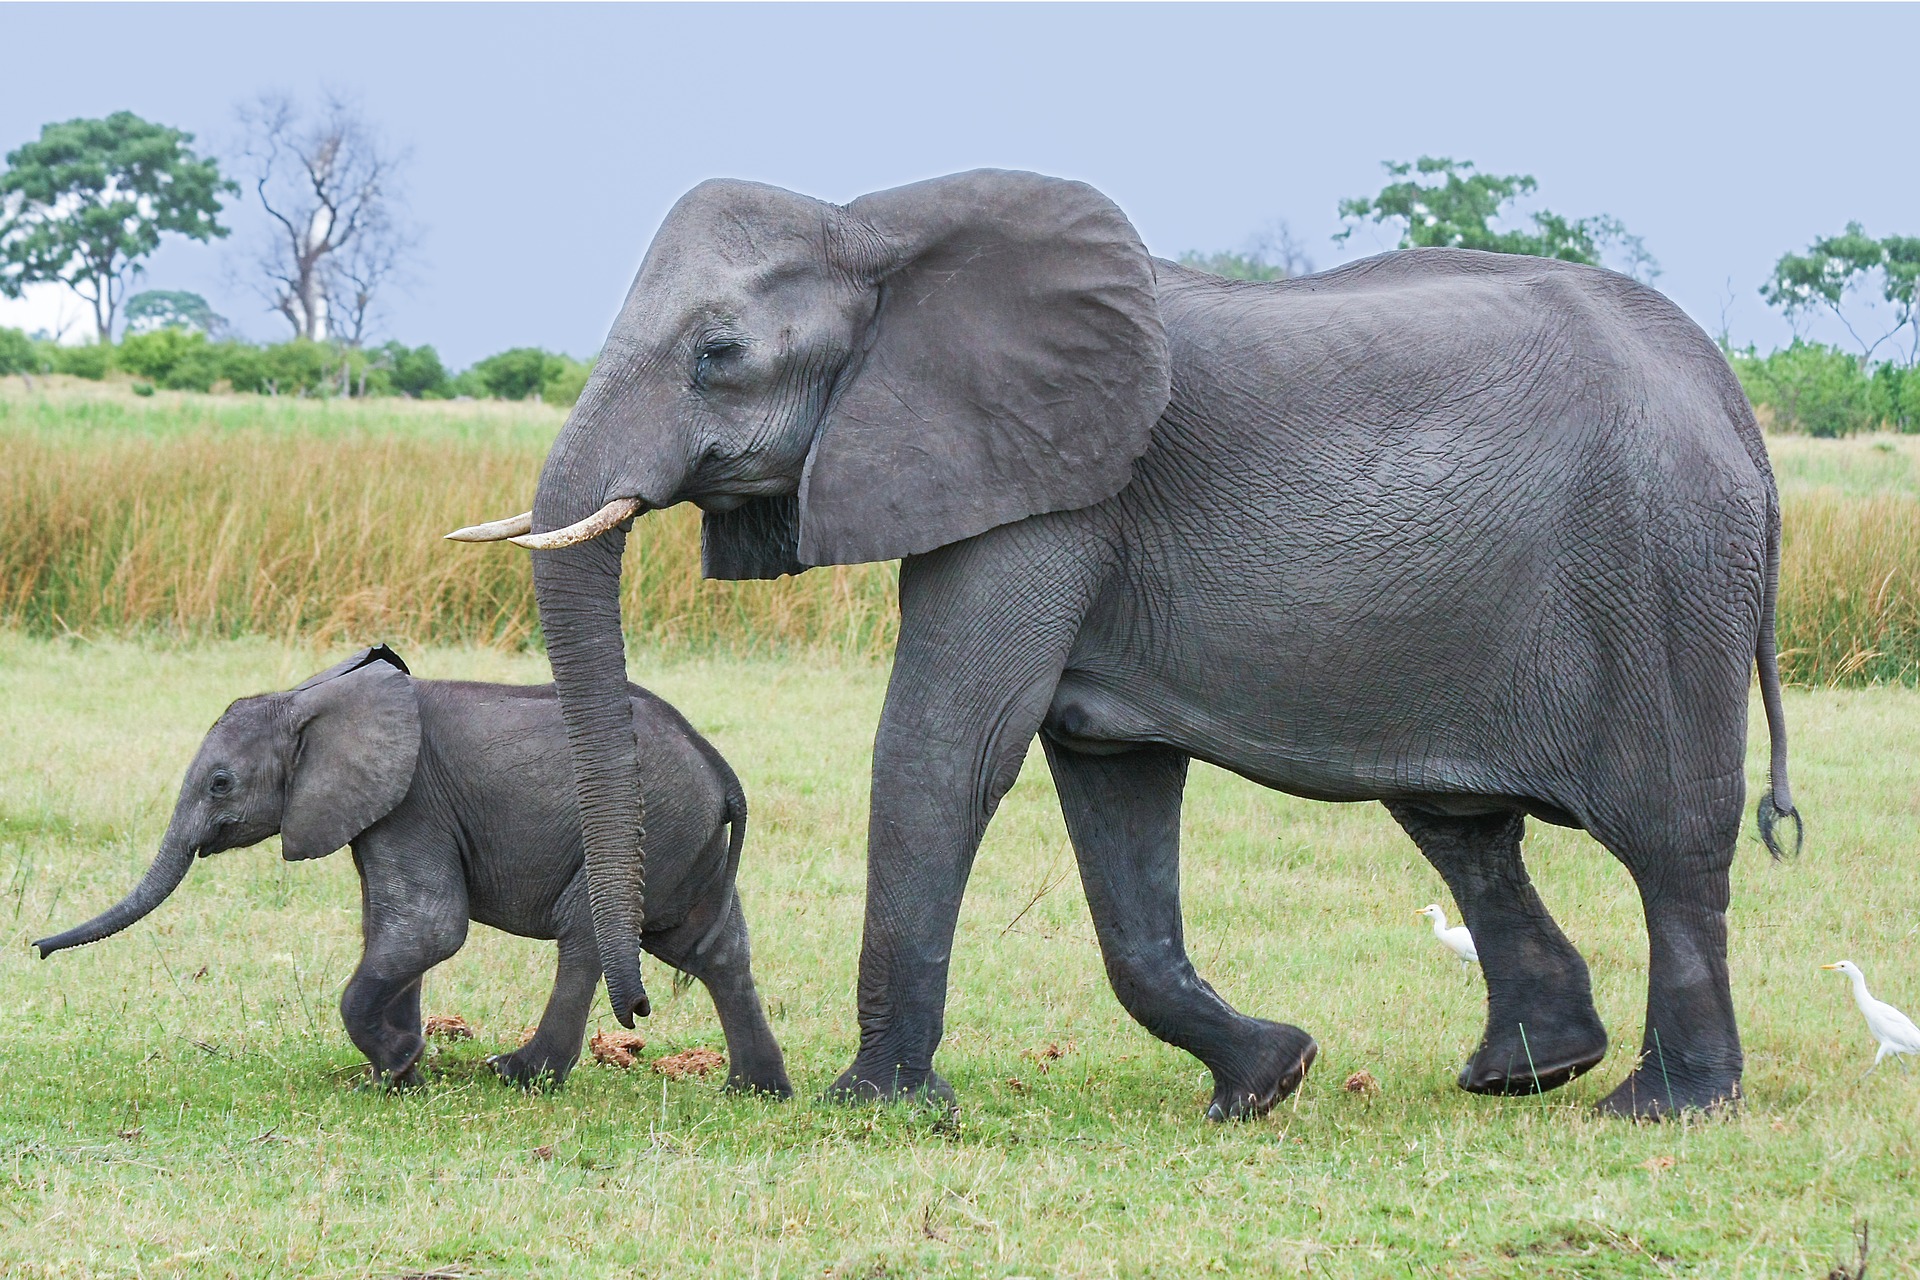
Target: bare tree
330,185
1275,245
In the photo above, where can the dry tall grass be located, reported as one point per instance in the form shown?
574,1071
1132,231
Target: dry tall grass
1850,588
298,528
199,516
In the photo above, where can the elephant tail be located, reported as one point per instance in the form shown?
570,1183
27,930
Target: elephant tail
736,837
1777,803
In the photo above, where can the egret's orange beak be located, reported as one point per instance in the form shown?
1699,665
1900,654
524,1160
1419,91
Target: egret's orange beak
1829,966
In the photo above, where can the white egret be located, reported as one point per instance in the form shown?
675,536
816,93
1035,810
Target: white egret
1893,1029
1456,939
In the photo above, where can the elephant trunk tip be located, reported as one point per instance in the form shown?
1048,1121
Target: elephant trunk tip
628,1007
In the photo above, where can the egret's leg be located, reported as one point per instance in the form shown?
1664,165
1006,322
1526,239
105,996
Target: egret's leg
1123,812
1542,1029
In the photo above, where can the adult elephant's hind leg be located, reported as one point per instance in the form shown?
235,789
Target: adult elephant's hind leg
1690,1057
1542,1029
1123,812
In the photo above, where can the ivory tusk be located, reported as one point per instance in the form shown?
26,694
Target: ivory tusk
582,531
494,530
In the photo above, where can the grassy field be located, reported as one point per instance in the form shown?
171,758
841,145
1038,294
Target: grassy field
218,516
182,1101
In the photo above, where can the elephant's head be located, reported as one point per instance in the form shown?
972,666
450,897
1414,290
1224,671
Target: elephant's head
831,385
318,765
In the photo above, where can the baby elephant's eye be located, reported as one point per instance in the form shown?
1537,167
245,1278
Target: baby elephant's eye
221,784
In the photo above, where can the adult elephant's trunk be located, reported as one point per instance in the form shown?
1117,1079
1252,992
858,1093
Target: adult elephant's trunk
163,877
578,589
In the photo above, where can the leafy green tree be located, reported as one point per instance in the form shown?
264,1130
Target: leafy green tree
91,198
1835,269
172,309
1443,203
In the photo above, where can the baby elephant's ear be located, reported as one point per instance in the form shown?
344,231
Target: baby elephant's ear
356,739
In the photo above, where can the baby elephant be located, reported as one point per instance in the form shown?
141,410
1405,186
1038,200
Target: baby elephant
458,801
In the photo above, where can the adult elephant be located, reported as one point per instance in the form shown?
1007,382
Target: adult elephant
1473,535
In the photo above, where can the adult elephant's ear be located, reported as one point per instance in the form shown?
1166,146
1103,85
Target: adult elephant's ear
354,742
1015,364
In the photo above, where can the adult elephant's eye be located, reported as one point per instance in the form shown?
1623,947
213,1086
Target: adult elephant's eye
715,355
221,783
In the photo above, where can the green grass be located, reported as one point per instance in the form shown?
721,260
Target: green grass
1857,467
181,1100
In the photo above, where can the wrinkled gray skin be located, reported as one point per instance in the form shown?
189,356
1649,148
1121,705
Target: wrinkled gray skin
456,798
1479,537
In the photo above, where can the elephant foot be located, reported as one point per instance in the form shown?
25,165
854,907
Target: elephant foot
1266,1071
763,1084
1649,1095
532,1071
1527,1057
926,1088
401,1069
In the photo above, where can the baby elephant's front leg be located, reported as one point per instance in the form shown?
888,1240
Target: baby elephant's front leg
382,1015
545,1060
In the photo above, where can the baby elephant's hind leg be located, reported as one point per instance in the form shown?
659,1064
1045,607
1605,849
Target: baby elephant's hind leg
1542,1029
754,1063
546,1059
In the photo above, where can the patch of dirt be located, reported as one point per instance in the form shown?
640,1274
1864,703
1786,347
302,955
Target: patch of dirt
1659,1165
616,1048
542,1153
526,1034
1362,1081
1045,1058
448,1026
689,1063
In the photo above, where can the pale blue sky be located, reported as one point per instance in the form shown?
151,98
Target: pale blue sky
548,141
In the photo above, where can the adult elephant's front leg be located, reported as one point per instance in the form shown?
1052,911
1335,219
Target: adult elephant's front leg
985,627
1123,812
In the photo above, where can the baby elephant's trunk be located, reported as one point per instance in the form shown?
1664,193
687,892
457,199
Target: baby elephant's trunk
162,878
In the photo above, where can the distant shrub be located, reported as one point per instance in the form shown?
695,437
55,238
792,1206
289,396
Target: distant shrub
566,379
527,373
1808,387
157,352
1234,266
515,374
94,361
415,372
1894,398
301,367
17,353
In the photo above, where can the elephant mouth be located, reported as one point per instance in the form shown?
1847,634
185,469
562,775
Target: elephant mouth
516,529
